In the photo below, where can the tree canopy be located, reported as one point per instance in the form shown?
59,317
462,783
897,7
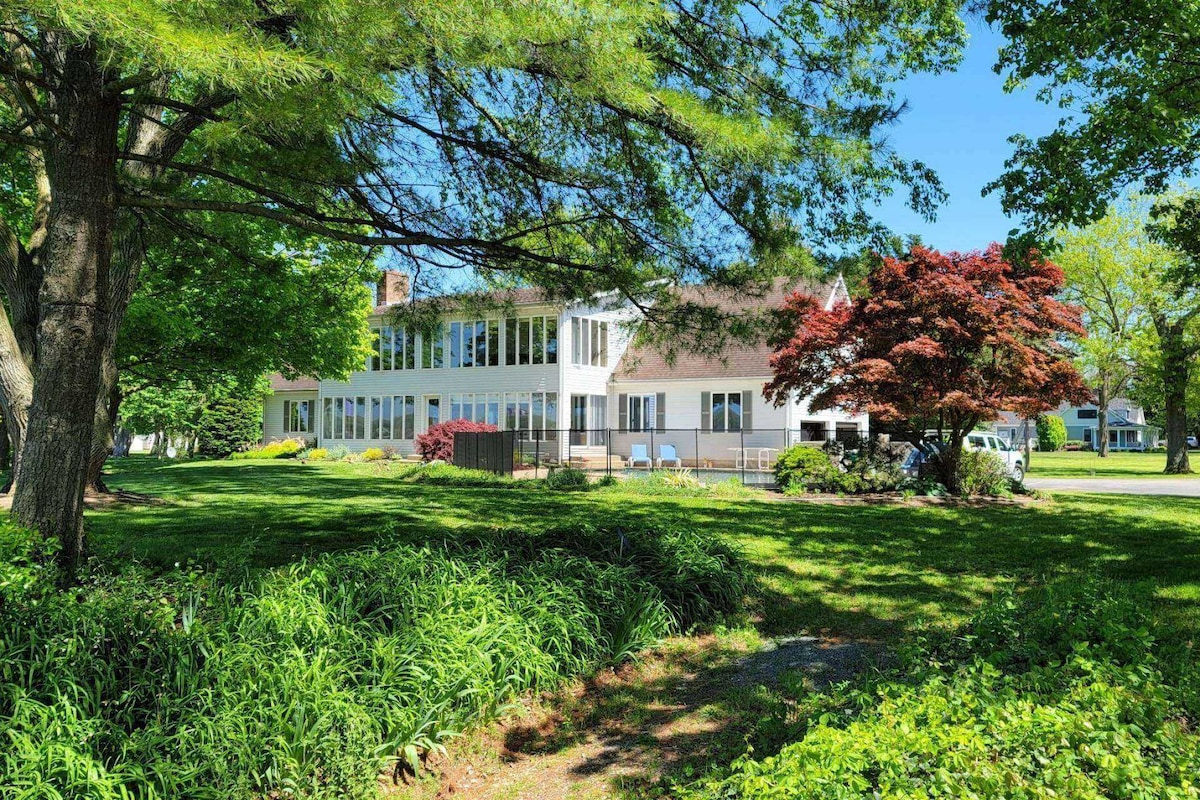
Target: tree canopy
572,146
1127,78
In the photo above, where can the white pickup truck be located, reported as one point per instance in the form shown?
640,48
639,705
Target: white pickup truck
991,443
975,441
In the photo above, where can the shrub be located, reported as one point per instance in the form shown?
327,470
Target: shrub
1051,433
1064,693
390,452
318,454
441,474
339,453
803,468
983,473
228,426
307,681
373,454
437,443
1074,445
567,479
288,448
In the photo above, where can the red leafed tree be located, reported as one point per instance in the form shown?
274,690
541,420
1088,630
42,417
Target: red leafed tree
437,443
943,341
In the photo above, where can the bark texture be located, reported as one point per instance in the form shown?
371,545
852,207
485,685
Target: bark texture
1176,370
1102,401
81,164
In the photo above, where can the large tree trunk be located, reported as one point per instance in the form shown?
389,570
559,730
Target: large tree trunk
81,163
1102,402
107,405
1175,368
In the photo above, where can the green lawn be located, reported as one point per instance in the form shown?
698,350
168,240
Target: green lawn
841,569
1090,465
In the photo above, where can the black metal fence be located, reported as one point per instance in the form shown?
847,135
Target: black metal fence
710,455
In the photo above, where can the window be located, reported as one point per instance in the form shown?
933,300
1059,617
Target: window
551,340
387,344
530,340
456,344
589,342
296,416
725,412
433,347
641,412
373,359
493,342
1085,413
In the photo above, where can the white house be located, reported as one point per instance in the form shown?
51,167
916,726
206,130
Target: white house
1127,427
565,374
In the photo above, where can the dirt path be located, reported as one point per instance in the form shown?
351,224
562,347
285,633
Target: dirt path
693,703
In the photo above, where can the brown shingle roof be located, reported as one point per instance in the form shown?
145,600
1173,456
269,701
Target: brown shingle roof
303,384
646,363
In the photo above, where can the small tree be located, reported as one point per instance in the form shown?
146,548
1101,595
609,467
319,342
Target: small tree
1051,433
940,341
229,425
437,443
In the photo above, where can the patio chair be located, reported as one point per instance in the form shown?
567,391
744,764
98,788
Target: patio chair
637,453
666,453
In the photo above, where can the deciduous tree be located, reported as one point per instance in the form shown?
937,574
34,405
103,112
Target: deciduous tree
942,341
670,136
1133,286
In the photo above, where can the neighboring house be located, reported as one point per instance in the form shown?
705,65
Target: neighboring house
564,373
1127,428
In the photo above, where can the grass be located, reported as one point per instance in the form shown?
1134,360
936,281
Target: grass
855,570
1090,465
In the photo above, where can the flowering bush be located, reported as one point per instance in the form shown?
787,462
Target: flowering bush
437,443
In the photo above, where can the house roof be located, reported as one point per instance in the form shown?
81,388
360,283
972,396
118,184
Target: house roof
644,362
516,297
303,384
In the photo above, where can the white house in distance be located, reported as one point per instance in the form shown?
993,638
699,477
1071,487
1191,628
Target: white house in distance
1127,427
563,373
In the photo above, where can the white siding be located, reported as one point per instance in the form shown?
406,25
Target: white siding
273,428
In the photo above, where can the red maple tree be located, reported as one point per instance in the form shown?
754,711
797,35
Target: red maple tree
942,341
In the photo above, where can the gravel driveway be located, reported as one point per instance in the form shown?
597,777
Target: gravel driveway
1179,487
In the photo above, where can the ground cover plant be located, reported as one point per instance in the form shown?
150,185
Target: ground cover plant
310,679
883,573
1071,691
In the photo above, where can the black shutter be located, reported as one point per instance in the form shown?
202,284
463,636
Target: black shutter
706,411
622,412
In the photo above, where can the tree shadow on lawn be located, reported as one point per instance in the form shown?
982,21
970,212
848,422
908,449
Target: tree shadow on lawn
839,570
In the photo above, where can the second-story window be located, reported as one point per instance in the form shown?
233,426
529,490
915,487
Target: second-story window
433,347
589,342
475,343
531,340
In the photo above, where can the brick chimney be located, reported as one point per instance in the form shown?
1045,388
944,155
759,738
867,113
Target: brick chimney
391,288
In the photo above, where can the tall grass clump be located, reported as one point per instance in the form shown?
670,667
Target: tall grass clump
1070,691
311,680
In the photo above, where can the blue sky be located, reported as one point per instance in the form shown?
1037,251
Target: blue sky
959,124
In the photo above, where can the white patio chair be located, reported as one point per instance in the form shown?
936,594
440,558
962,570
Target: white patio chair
666,453
637,453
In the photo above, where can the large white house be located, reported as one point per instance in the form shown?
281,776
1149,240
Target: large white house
564,373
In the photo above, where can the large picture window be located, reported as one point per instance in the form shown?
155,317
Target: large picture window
375,418
296,416
530,340
393,348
